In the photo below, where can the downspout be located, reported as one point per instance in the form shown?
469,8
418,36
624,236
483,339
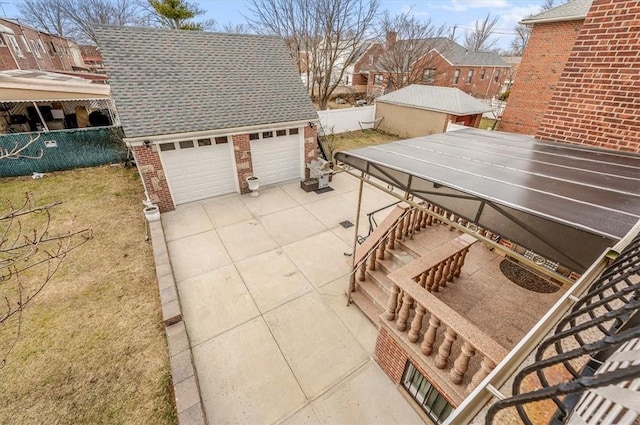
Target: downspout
147,202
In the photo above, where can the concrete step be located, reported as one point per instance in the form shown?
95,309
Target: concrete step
380,278
370,310
372,291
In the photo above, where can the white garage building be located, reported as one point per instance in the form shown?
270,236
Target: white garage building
204,111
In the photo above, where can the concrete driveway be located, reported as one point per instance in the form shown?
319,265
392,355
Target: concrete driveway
261,282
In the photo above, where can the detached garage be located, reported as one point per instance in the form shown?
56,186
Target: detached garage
203,111
418,110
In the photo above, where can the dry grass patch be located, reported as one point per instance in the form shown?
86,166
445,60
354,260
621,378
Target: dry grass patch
92,348
359,139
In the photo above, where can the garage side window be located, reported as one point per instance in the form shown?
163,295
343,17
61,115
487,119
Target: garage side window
267,134
167,147
293,131
280,133
254,136
186,144
221,140
204,142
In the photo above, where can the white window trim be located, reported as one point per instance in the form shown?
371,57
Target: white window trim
26,43
15,46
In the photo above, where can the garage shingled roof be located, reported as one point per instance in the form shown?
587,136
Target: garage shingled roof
450,100
170,81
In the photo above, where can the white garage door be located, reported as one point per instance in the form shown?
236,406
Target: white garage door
276,156
198,169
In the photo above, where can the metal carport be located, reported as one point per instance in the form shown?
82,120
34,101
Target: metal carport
567,202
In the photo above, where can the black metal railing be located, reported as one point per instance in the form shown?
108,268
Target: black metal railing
371,218
600,322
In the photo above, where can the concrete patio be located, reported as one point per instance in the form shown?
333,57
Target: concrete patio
261,282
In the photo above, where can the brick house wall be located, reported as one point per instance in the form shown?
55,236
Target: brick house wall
52,51
596,99
152,172
367,60
542,64
486,81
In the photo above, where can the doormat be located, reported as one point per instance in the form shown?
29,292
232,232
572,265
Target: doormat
323,190
526,279
346,224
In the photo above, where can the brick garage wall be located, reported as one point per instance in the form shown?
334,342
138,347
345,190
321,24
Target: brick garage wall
542,64
148,160
596,100
242,154
310,147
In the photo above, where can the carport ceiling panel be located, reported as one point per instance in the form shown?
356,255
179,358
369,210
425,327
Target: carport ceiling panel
567,202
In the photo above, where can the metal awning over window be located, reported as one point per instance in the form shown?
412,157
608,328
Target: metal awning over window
566,202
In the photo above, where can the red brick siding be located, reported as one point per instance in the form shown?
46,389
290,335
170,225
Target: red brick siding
310,147
542,63
390,356
375,51
242,154
148,160
596,99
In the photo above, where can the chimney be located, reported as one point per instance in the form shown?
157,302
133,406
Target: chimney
392,37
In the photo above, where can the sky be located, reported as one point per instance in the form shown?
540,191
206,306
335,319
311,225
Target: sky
462,13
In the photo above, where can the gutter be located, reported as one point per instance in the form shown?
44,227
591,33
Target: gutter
553,19
138,140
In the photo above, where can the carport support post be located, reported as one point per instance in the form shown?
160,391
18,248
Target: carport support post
352,277
44,124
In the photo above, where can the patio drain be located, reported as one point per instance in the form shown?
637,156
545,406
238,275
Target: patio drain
346,224
526,279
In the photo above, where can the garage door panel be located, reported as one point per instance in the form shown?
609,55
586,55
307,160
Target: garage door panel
199,172
276,159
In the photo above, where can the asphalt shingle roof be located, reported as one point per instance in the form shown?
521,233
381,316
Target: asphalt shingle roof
442,99
460,56
575,9
169,81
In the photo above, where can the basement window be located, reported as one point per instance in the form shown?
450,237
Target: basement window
427,396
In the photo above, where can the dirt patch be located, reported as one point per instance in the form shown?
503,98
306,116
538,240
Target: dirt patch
526,279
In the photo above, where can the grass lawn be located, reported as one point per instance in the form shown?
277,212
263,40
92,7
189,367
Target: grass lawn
358,139
92,348
486,123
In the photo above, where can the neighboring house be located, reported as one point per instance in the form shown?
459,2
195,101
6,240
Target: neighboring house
24,47
588,93
553,36
447,64
92,58
418,110
514,64
200,118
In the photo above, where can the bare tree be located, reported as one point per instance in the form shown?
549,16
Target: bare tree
236,28
48,15
479,38
521,39
76,18
415,39
29,258
323,36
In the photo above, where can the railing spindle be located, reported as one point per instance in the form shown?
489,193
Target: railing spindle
390,314
442,358
430,336
416,324
461,365
403,316
486,366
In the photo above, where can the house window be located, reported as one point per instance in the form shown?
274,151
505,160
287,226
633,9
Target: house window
377,79
469,76
36,49
26,44
267,134
483,72
222,140
254,136
427,396
281,133
293,131
167,147
14,45
429,75
370,59
497,76
186,144
456,76
204,142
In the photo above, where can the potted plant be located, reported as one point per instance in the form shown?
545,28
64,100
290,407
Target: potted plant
254,185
